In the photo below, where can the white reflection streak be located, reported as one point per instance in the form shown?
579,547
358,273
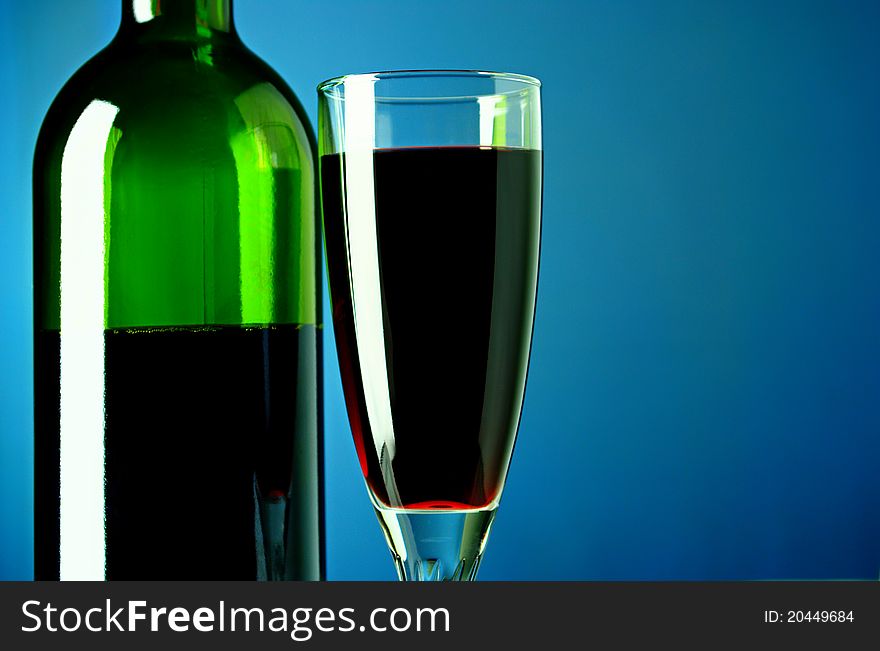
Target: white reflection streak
82,544
143,10
487,118
360,205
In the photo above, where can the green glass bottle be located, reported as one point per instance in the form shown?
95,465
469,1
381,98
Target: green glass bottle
177,312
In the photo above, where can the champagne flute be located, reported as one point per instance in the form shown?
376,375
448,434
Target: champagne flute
431,185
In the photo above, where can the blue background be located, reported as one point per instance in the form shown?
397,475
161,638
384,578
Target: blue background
703,395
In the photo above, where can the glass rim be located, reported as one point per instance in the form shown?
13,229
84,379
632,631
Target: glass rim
327,86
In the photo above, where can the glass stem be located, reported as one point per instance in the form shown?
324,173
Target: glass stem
436,546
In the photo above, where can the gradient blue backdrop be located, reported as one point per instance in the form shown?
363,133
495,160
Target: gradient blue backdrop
703,396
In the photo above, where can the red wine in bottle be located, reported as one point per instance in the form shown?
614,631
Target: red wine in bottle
205,431
177,312
457,230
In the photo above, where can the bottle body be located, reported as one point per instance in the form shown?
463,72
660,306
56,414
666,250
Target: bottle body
177,324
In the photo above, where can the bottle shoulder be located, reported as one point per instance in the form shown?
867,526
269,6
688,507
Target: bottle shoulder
262,70
207,90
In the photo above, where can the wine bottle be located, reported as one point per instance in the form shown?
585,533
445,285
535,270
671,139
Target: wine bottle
178,430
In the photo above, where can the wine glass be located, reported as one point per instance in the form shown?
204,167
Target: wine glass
431,184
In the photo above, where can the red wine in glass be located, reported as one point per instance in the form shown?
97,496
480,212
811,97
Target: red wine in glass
431,187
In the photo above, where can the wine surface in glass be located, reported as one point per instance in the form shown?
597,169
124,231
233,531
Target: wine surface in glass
452,238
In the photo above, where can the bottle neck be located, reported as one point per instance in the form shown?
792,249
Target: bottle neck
179,20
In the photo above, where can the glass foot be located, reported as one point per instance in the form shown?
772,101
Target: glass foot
436,545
